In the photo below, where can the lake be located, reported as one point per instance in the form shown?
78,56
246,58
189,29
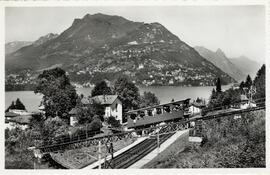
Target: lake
164,93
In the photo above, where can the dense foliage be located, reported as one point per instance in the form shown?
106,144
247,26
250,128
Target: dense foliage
128,93
16,153
113,122
259,83
230,143
225,98
101,88
59,96
148,99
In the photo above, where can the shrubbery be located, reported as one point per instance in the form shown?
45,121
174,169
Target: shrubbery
231,143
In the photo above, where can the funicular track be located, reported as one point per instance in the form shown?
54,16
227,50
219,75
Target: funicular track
132,155
139,152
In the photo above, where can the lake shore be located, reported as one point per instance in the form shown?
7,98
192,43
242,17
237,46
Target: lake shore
164,93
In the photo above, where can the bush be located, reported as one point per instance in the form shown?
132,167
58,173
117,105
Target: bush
113,122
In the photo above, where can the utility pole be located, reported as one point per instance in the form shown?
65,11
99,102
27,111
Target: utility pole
35,163
99,154
158,142
252,91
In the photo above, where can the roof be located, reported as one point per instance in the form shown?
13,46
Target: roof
11,114
41,107
85,101
75,110
198,105
236,85
22,119
160,105
104,99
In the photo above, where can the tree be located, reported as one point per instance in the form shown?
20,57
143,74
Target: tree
12,106
248,82
128,93
101,88
218,85
148,99
19,105
242,86
199,100
96,124
113,122
86,113
59,96
259,83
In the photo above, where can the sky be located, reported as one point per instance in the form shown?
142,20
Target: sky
237,30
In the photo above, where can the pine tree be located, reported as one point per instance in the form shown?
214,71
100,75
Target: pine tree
248,82
19,105
12,106
242,85
218,85
259,83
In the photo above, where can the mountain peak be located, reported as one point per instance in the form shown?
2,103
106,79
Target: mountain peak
114,45
45,38
101,16
220,60
220,52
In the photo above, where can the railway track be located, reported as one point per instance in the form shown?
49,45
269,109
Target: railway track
129,157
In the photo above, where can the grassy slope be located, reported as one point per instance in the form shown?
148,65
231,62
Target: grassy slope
230,144
79,158
164,157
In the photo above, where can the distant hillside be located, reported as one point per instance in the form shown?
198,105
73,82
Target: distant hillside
246,65
220,60
15,45
103,47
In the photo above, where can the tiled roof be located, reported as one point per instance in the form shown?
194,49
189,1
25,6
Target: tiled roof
199,105
75,111
22,119
85,100
11,114
104,99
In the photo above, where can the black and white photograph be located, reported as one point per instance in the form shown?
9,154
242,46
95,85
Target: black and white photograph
134,86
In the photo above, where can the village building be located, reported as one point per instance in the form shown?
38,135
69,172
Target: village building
196,108
20,119
235,86
112,104
246,103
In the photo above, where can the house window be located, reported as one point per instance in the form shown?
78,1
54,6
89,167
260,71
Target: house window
116,105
